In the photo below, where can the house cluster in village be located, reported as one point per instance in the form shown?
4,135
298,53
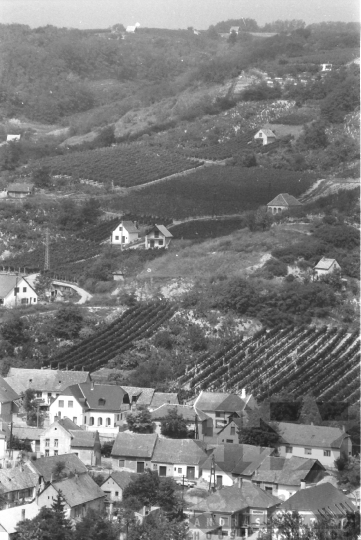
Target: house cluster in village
243,485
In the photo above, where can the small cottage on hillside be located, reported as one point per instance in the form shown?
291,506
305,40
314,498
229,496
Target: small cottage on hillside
158,237
326,266
265,135
13,138
20,191
16,291
124,233
114,485
282,202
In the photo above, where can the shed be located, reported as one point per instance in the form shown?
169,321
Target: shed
282,202
12,138
326,266
20,191
265,135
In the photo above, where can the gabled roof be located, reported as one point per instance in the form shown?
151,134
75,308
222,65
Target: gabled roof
186,411
104,397
216,401
134,445
163,230
78,490
21,188
122,478
28,432
44,466
144,395
6,392
47,380
160,398
290,471
321,498
177,451
129,226
16,479
284,199
267,132
232,403
308,435
84,439
237,458
67,424
325,264
8,282
233,499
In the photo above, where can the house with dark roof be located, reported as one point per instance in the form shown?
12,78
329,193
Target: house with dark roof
124,233
8,398
158,237
186,411
64,436
44,467
322,501
282,202
139,395
229,433
238,510
29,434
98,407
20,191
114,485
214,411
16,291
177,458
325,266
265,135
133,451
284,477
79,492
226,463
17,486
314,442
160,398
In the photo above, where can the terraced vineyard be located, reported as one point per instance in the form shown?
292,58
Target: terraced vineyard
137,322
325,361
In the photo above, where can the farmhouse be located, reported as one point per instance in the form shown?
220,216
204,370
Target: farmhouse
158,237
217,408
177,458
16,291
133,451
124,233
282,202
20,191
29,434
326,266
44,467
17,486
114,485
265,135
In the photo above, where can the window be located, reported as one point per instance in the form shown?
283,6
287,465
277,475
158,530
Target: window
308,451
70,404
179,470
117,493
22,515
56,452
75,420
327,453
24,301
24,289
16,290
56,443
120,228
61,403
289,449
107,422
233,430
38,394
84,419
49,395
100,421
117,237
140,466
92,421
59,414
76,453
156,234
229,440
46,453
47,442
121,463
34,300
117,417
101,401
219,481
155,466
218,415
160,242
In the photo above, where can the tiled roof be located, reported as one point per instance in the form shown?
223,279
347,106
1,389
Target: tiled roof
209,401
325,264
83,439
186,411
134,445
7,283
319,498
163,397
163,230
267,132
17,478
280,470
27,432
68,424
6,392
95,394
129,226
237,458
122,478
232,403
308,435
284,199
233,499
47,380
145,395
177,451
22,188
45,466
79,490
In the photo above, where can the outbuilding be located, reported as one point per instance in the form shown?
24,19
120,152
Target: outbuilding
265,135
20,191
326,266
282,202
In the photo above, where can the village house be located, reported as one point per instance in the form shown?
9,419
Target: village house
132,29
16,291
158,237
116,482
133,451
8,399
186,411
20,191
45,467
124,233
266,136
326,444
146,512
80,494
323,501
238,510
139,396
64,437
29,434
17,486
163,398
282,202
11,517
284,477
326,67
325,266
13,138
229,434
177,458
98,407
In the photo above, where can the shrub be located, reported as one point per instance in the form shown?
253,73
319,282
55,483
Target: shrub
276,267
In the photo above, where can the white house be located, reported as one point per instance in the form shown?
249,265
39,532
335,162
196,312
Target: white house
158,237
13,138
114,485
234,29
11,517
326,67
326,266
132,29
282,202
16,291
124,233
265,135
177,458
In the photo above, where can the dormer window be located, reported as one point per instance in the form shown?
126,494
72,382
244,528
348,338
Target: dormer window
101,402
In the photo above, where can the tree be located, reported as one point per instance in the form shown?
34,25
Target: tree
42,285
167,496
143,489
30,405
42,176
13,331
348,472
47,525
67,322
159,527
310,413
90,211
174,426
96,526
313,136
232,38
58,470
140,422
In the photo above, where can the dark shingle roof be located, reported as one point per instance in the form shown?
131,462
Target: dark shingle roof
129,226
234,498
159,398
284,199
144,395
79,490
319,498
17,478
186,411
7,283
28,432
45,466
237,458
134,445
309,435
83,439
48,380
122,478
177,451
68,424
97,394
232,403
280,470
210,401
6,392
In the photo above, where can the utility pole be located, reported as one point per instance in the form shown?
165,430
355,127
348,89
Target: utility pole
11,437
212,476
47,259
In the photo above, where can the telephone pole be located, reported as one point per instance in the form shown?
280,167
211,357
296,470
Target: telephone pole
47,259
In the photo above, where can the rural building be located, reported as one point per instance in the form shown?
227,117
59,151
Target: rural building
161,398
326,67
139,396
124,233
326,266
30,434
186,411
158,237
16,291
17,486
44,467
229,434
133,451
114,485
265,135
132,29
13,138
177,458
234,29
326,444
8,398
11,517
282,202
20,191
218,408
322,501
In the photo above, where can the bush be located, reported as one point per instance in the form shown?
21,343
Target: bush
276,267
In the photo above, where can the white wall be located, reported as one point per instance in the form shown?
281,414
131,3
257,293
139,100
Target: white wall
111,488
75,411
316,453
105,428
25,296
121,236
227,480
52,434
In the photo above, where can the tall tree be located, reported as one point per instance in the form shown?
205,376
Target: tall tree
140,422
67,322
45,526
174,426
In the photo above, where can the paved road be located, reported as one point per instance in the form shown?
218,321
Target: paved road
84,295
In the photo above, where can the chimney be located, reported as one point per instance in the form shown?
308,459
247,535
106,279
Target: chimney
92,385
303,484
243,393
